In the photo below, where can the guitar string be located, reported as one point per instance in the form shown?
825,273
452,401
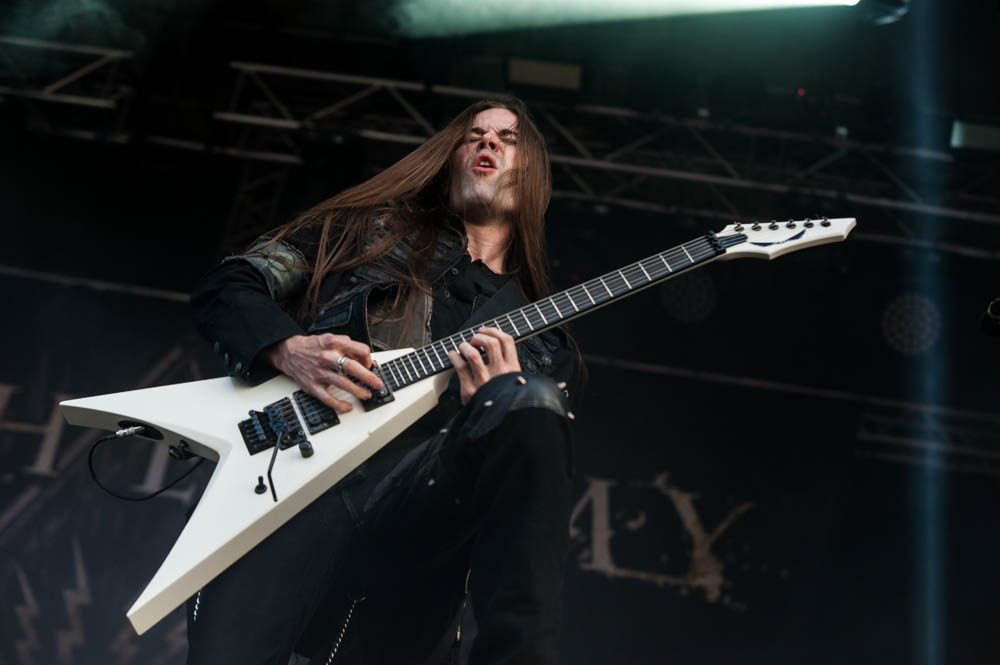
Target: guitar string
701,249
633,276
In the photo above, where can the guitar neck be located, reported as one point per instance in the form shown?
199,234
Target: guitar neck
563,306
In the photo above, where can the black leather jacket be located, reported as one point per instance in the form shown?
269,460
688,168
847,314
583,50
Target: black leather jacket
237,307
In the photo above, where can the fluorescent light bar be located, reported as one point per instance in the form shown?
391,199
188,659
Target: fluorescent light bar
544,74
429,18
975,136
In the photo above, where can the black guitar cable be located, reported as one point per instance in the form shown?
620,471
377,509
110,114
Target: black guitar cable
121,434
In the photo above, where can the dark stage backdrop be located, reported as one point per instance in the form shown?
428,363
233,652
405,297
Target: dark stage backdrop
748,487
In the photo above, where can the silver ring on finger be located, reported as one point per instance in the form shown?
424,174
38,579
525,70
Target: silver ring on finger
340,363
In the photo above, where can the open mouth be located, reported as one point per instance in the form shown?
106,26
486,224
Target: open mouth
484,163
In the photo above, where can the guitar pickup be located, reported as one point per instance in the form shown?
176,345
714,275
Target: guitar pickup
318,415
380,396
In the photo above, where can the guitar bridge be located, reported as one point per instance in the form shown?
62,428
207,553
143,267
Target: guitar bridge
277,424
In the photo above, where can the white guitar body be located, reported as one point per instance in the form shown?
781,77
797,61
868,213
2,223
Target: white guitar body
231,517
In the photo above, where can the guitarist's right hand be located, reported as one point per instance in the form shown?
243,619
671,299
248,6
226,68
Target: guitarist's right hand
311,360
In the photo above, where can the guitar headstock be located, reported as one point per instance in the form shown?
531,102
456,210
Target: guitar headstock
772,239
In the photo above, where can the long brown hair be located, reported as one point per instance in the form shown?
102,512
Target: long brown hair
410,199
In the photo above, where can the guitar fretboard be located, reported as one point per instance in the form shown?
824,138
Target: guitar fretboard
563,306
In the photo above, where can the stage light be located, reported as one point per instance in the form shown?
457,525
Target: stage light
428,18
884,12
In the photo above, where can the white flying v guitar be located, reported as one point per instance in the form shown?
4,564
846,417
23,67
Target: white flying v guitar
278,449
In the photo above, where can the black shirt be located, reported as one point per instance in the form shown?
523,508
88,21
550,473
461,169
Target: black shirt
465,286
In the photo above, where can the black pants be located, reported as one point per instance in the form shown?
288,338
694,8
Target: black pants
492,490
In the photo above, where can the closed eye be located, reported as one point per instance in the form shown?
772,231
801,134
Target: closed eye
508,136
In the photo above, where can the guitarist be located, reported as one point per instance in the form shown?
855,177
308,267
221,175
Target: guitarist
449,236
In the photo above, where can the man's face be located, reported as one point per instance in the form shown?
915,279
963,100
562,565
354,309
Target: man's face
480,162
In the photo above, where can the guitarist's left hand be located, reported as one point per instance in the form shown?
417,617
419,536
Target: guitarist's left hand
473,371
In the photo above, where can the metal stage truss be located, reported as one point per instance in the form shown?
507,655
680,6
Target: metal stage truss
70,89
280,117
